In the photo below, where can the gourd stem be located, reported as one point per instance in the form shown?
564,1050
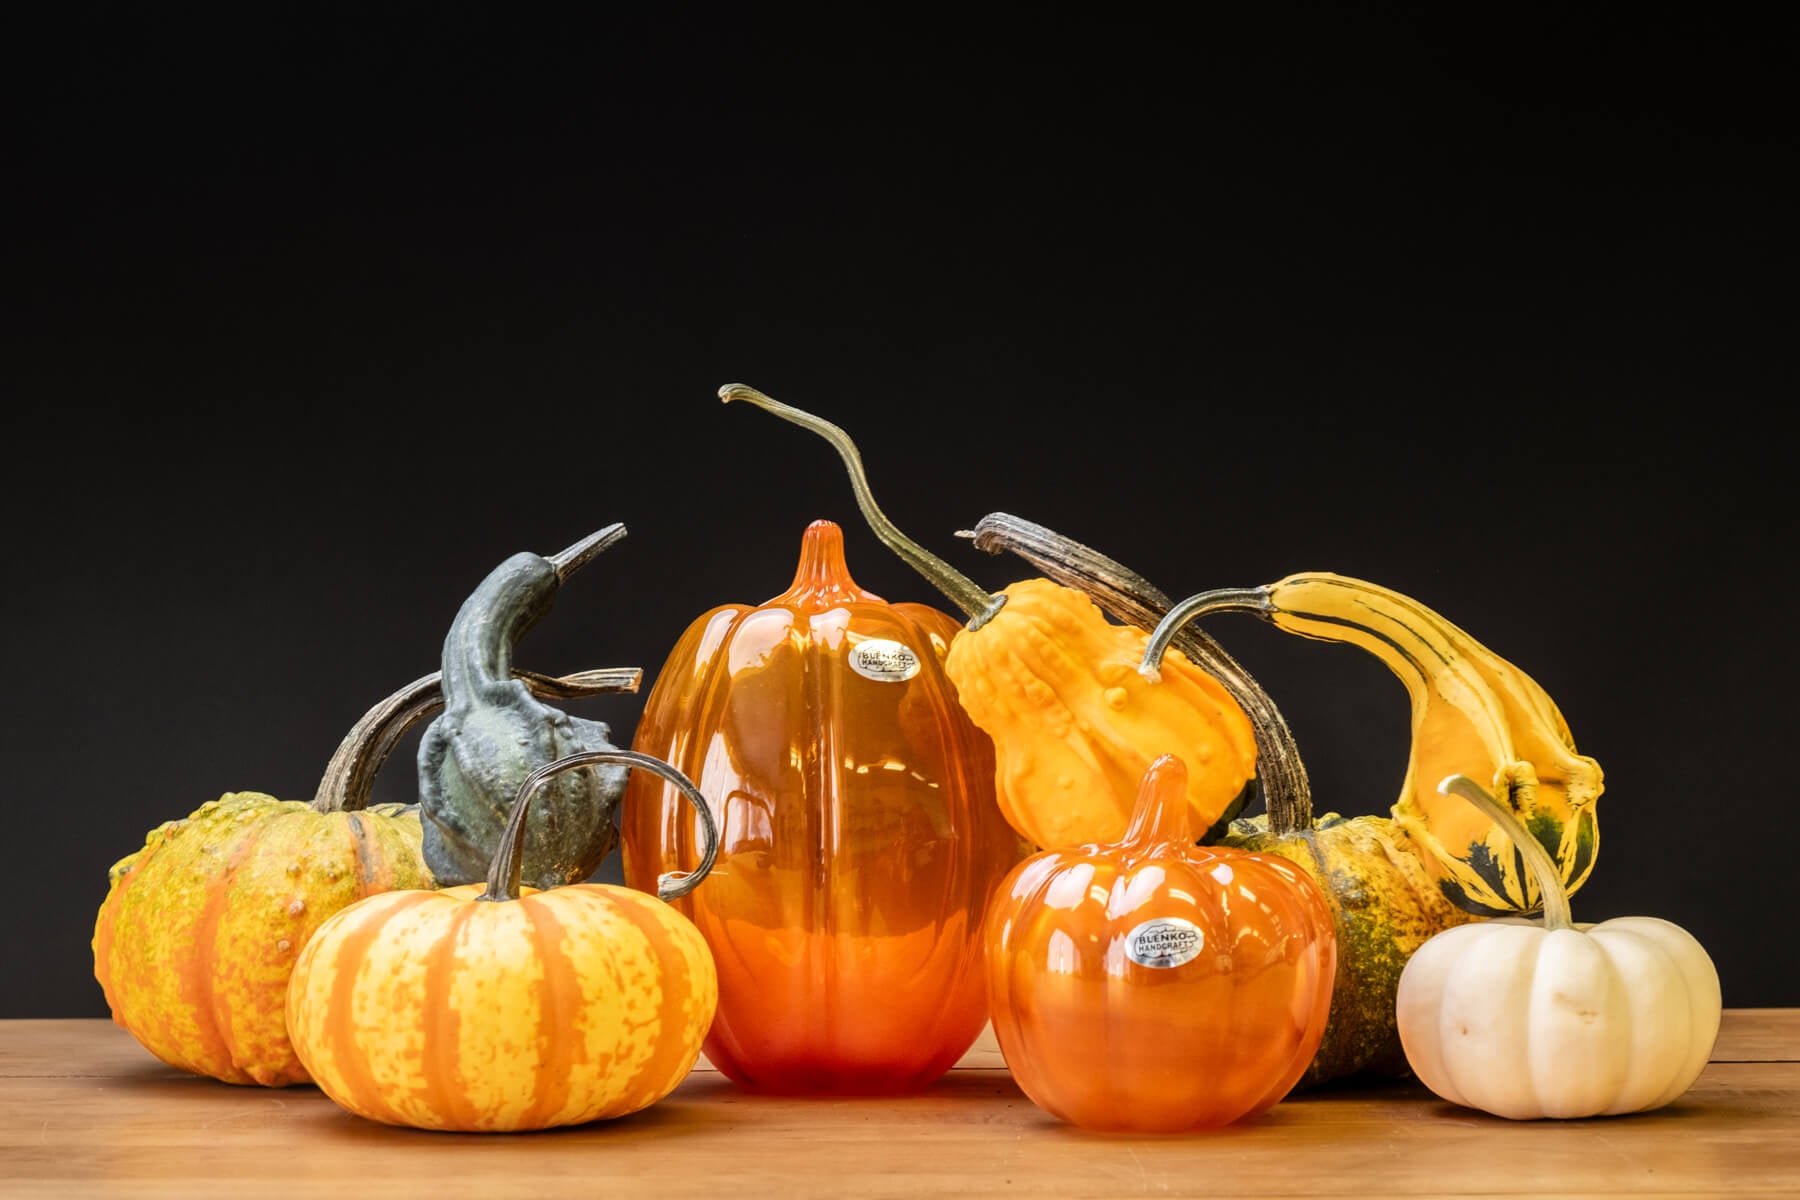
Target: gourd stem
478,648
509,856
1251,600
976,602
349,777
1129,597
566,562
1537,859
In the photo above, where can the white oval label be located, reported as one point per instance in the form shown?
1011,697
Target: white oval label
884,660
1164,942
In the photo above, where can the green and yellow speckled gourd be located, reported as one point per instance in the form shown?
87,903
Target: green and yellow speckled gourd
1386,906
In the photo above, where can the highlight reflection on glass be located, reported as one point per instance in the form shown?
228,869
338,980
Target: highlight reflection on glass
859,839
1155,985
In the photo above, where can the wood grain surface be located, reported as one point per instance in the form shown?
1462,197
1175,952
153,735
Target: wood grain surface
85,1112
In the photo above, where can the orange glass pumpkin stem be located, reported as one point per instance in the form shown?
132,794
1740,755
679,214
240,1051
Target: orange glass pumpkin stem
822,577
509,857
1162,817
1152,985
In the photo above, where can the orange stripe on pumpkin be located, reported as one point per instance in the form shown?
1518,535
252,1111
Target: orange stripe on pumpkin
194,967
561,1014
670,1060
344,1055
442,1057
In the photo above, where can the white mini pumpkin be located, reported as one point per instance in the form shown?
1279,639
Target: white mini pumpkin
1527,1019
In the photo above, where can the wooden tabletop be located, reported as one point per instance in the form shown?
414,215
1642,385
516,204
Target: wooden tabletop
84,1111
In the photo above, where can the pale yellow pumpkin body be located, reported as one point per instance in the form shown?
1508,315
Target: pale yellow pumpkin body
1075,725
200,929
436,1010
1528,1019
1525,1022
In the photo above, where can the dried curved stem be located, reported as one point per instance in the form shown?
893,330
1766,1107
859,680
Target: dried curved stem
567,561
350,775
1250,600
976,602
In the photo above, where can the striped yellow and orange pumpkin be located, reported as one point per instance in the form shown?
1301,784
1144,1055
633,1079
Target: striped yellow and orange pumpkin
490,1007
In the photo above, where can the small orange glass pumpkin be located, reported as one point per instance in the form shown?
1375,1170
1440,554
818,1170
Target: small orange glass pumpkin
1154,985
859,838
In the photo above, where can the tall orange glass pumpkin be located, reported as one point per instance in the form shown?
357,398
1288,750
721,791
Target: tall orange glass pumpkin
859,837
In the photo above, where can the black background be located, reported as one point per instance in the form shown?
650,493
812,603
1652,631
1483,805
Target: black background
317,315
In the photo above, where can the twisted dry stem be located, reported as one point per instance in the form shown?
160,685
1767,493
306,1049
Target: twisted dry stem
976,603
350,775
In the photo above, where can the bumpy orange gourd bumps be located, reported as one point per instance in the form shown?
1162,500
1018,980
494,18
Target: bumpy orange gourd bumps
1075,725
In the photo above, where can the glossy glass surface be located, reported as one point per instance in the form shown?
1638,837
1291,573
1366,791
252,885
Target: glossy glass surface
1155,985
859,840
